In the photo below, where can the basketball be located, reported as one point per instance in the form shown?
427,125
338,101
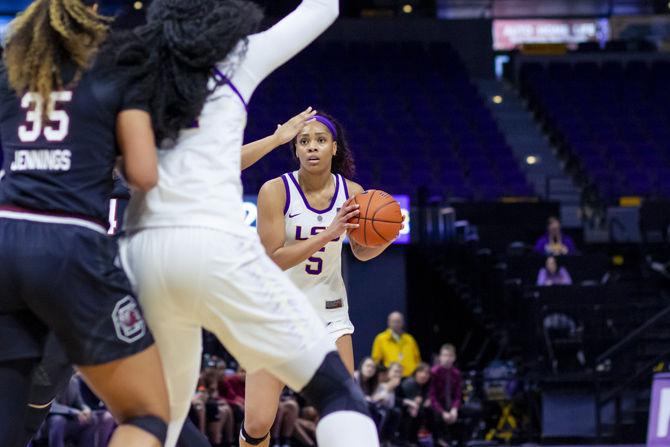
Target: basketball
380,219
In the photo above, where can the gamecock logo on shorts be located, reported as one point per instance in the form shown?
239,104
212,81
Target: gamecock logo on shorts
128,320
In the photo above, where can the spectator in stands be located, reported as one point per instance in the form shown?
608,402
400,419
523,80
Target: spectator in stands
388,398
367,378
231,388
305,428
101,416
286,420
197,411
553,275
414,403
218,414
554,242
394,345
237,383
445,393
71,420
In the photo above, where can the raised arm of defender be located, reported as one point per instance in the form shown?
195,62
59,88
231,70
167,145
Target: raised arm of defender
270,49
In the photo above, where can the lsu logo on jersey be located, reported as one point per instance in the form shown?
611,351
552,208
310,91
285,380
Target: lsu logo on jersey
313,232
128,320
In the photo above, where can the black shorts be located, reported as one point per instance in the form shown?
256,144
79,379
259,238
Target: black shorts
52,374
67,279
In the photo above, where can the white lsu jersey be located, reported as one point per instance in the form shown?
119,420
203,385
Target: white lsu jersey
320,276
199,182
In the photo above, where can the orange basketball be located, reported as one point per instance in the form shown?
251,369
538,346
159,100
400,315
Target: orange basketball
380,219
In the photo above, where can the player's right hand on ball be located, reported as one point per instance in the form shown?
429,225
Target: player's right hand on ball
340,224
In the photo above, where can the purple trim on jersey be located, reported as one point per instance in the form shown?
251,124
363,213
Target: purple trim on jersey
304,199
288,194
222,79
346,189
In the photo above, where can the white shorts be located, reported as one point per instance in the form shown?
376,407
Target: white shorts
339,328
193,278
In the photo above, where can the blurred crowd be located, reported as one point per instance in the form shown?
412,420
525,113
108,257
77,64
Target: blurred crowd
412,402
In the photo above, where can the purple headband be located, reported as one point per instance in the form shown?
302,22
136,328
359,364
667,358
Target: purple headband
328,123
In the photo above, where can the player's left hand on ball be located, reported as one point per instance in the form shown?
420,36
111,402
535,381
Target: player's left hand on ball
340,224
290,129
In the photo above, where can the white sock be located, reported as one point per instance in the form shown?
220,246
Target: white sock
346,429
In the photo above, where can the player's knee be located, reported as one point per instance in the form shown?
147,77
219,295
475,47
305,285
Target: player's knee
257,426
253,438
154,425
333,389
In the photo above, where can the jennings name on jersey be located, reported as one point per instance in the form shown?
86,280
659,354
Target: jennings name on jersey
59,152
320,276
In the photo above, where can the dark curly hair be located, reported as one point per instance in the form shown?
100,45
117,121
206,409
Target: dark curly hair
343,161
173,55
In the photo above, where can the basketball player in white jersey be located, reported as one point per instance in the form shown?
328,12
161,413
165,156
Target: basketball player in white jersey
190,254
301,219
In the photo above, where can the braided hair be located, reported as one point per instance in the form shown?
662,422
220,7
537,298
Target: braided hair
46,35
343,161
173,55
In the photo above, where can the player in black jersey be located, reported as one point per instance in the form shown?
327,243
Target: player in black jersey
53,373
63,125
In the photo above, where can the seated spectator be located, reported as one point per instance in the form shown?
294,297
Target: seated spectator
553,275
102,417
219,419
285,422
554,242
70,420
197,411
394,345
445,393
237,382
305,428
388,399
231,388
367,378
415,400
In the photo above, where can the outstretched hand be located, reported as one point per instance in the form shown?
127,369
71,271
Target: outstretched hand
290,129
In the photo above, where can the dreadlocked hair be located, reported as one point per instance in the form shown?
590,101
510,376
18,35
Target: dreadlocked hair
343,161
47,34
173,55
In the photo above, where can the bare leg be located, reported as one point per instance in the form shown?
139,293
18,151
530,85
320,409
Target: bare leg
228,424
199,407
291,411
305,432
214,430
275,432
346,349
131,387
260,405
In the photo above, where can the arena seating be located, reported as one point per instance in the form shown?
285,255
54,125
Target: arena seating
418,100
612,121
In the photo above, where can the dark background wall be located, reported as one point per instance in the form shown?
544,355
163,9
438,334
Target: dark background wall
375,289
472,39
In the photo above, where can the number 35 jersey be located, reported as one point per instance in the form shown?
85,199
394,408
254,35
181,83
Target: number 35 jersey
59,152
320,276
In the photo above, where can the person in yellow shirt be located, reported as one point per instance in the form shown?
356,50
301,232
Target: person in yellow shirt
395,345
